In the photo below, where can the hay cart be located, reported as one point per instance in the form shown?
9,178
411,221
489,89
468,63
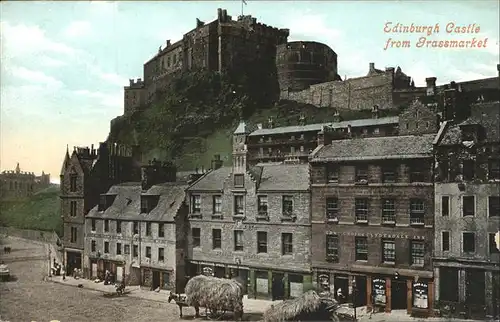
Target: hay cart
210,313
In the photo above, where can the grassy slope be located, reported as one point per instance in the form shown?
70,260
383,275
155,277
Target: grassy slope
41,211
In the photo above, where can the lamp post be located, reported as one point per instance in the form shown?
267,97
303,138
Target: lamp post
237,260
50,268
354,297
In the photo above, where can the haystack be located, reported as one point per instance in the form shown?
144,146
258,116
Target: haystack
217,294
310,306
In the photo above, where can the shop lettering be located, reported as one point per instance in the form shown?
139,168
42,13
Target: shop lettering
378,280
375,235
242,256
420,285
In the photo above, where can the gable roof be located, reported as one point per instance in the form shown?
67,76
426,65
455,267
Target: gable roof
272,177
127,204
319,126
378,148
485,114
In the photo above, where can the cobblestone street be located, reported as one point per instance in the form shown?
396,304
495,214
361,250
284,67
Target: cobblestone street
30,298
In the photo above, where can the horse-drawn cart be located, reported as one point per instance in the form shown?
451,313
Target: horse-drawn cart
217,295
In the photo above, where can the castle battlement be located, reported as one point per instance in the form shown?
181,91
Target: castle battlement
135,83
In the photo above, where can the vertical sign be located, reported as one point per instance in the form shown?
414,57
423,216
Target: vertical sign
420,295
379,297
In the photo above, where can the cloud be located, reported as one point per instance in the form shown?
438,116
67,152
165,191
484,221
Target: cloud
51,62
106,99
22,40
78,29
310,26
34,76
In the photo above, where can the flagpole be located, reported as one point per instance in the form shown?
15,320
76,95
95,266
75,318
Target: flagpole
242,8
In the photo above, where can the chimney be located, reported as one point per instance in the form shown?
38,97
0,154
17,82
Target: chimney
217,162
375,112
224,15
157,172
431,86
168,42
139,80
131,82
259,126
270,122
372,67
302,119
219,14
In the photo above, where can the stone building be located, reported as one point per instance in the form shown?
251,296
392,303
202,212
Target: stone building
19,184
86,174
223,44
373,215
252,222
467,203
277,144
138,231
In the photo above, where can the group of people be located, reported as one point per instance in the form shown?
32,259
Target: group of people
57,269
109,277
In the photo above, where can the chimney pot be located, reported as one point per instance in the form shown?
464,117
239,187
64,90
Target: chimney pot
372,66
168,42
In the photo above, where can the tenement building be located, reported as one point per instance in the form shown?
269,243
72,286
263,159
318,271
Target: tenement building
373,215
466,258
84,176
252,223
137,231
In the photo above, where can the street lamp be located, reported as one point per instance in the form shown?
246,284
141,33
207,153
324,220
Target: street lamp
354,296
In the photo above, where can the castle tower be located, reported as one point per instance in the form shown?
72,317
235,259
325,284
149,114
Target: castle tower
18,169
240,149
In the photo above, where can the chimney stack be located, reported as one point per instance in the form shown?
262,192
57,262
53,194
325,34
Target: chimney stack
168,42
431,86
270,122
372,67
217,162
157,172
259,126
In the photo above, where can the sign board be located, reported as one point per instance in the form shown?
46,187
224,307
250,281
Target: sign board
378,291
420,295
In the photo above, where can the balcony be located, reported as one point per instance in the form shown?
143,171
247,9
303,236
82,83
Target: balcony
361,218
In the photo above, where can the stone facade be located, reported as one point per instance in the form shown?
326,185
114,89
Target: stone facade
467,198
19,184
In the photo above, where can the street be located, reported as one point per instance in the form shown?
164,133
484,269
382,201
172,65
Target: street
30,298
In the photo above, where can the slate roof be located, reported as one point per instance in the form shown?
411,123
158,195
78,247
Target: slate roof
377,148
127,204
486,114
272,177
319,126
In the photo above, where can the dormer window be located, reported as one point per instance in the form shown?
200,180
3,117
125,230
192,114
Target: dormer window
467,135
105,201
148,203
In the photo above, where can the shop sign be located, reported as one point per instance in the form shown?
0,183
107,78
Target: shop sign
379,297
375,235
324,281
420,295
208,271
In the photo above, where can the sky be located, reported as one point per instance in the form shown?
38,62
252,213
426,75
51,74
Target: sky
64,64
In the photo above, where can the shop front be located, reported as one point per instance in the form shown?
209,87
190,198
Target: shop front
155,278
98,267
73,259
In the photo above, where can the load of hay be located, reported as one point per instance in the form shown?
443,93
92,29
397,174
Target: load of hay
310,306
216,294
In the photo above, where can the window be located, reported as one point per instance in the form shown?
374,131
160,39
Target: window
196,233
93,246
417,212
72,182
161,254
195,204
469,242
262,204
468,206
73,208
286,244
493,245
287,205
106,225
389,174
361,209
148,252
389,250
239,180
135,251
148,229
332,209
144,205
444,170
417,173
126,249
217,204
417,253
445,241
494,206
388,211
362,173
468,169
332,248
106,247
332,173
238,240
376,130
445,206
292,149
361,244
494,169
118,227
136,227
74,235
216,239
93,225
118,248
161,230
102,203
261,242
238,206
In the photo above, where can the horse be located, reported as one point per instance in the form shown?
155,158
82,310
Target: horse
180,300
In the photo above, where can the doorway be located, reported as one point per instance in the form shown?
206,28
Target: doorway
399,295
278,287
341,282
360,298
156,280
